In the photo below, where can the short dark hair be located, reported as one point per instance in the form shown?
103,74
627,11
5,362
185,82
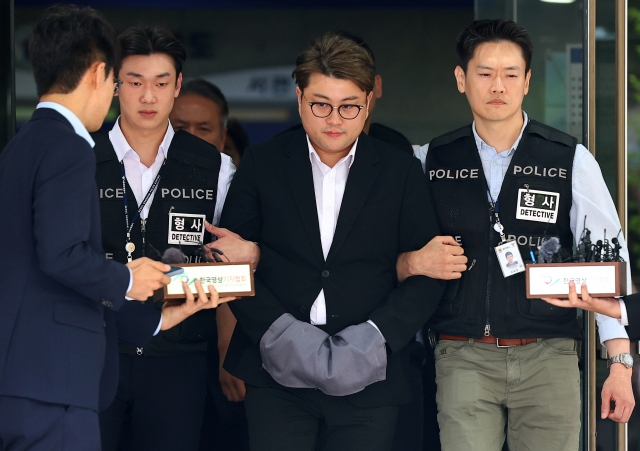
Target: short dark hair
238,134
208,90
358,40
336,56
149,41
65,43
481,31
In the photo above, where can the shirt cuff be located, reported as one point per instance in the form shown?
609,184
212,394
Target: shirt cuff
609,328
130,285
624,319
159,327
374,325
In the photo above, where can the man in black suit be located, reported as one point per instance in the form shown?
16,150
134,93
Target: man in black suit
322,345
57,337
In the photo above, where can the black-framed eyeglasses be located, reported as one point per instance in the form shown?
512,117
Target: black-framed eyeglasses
118,83
347,111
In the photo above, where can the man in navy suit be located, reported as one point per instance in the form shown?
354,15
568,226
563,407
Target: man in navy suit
58,290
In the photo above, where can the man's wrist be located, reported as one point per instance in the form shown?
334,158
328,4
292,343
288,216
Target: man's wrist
620,369
622,360
254,254
407,263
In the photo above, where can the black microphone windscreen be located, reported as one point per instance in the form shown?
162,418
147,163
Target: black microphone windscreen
173,255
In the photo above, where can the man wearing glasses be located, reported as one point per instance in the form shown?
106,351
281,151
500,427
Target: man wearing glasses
322,345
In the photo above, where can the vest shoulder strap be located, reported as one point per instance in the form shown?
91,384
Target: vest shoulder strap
552,134
193,150
450,137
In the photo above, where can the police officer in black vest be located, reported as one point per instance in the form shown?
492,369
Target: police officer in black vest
501,184
157,188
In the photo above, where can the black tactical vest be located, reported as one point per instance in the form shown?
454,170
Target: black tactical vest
483,299
188,184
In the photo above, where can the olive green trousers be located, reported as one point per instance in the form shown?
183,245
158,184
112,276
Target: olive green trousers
530,394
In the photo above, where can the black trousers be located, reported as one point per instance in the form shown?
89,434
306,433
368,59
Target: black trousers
410,424
159,404
293,419
30,425
224,427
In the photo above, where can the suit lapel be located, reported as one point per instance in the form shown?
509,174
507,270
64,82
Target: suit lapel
301,184
362,176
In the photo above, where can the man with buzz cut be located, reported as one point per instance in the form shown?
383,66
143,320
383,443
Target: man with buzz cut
157,190
322,345
506,363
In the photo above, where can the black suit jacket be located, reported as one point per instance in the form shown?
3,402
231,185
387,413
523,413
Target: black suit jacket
385,210
57,333
632,304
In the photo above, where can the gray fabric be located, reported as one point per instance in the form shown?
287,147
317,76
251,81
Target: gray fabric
299,355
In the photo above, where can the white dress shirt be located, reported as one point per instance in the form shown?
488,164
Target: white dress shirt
590,197
328,184
141,177
624,317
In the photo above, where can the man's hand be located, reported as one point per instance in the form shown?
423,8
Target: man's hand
174,313
234,247
232,387
606,306
617,387
441,258
148,276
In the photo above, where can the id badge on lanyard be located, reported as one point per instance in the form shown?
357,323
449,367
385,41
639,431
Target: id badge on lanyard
507,251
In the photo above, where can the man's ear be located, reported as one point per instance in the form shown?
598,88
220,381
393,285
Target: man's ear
96,75
460,78
178,85
299,94
377,87
223,139
527,79
369,98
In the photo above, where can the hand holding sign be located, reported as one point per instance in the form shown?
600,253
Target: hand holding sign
606,306
173,313
148,276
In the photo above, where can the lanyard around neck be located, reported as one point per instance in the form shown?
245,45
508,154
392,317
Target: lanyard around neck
495,207
129,247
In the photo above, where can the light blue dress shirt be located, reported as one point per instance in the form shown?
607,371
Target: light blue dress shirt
590,195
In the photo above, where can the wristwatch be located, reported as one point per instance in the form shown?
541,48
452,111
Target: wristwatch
624,358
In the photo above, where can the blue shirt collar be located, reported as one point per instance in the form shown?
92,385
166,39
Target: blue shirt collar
77,125
481,145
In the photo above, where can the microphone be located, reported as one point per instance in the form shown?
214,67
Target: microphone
548,248
173,255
